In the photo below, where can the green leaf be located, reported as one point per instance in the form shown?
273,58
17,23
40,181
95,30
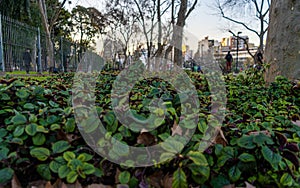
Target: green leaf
98,172
3,153
172,146
246,142
246,157
52,119
5,97
200,171
63,171
72,177
202,125
53,104
22,93
68,155
54,127
6,175
90,124
44,171
84,157
286,180
57,163
111,121
179,179
60,146
222,160
32,118
272,157
39,139
18,131
41,154
70,125
17,141
88,168
124,177
219,181
3,132
262,139
19,119
31,129
218,149
234,173
41,129
121,149
198,158
29,106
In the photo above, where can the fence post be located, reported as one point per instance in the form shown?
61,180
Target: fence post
39,52
62,54
2,64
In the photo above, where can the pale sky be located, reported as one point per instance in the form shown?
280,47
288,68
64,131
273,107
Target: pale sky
202,22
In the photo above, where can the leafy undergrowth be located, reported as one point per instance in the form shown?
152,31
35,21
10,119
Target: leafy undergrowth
257,144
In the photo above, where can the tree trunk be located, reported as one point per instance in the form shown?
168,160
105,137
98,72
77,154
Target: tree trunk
178,33
283,41
50,49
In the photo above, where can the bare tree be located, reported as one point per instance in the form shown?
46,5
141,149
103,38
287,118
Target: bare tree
182,14
255,10
48,24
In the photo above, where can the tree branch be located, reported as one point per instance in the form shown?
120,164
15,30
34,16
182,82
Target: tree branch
191,9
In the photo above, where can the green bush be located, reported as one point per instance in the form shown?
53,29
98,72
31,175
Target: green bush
257,143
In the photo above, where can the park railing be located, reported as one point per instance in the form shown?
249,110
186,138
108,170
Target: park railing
16,37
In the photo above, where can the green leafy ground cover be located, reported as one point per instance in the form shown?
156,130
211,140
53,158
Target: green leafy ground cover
258,142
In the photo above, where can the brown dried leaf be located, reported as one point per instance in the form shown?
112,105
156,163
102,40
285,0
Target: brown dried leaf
15,183
118,172
98,186
57,184
297,122
176,129
48,185
167,181
229,186
220,138
146,138
155,179
37,184
248,185
265,132
74,185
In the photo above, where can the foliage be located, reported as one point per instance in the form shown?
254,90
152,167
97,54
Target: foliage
258,142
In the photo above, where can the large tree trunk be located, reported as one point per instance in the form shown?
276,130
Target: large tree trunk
178,33
283,40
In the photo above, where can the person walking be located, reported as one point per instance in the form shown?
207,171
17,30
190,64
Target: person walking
229,59
27,60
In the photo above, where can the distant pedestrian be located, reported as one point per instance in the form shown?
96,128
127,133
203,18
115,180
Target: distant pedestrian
27,60
229,59
259,59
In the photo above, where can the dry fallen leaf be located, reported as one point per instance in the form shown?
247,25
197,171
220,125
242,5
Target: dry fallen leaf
176,129
98,186
146,138
265,132
220,138
248,185
118,172
155,179
297,122
229,186
167,181
15,183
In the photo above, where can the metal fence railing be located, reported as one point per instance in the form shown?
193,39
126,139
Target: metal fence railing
16,37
